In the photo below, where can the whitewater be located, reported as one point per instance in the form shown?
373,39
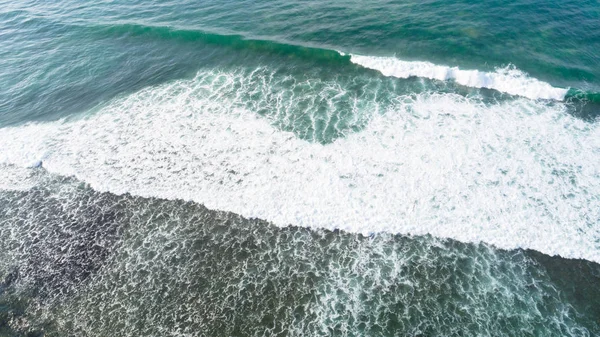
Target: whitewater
508,79
515,174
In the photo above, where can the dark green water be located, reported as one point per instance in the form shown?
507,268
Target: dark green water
97,264
277,168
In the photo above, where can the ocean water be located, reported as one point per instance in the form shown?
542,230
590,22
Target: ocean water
299,168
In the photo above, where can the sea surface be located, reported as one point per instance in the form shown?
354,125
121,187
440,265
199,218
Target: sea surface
299,168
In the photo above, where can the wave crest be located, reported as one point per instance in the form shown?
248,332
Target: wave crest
509,79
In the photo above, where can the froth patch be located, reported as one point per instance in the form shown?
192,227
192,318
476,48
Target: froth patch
99,268
508,80
517,174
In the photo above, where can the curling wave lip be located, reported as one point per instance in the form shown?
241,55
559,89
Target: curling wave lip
509,79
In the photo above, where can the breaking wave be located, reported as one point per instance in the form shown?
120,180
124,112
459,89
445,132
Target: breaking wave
515,174
509,79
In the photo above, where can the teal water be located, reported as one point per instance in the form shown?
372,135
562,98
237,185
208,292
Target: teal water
272,168
103,49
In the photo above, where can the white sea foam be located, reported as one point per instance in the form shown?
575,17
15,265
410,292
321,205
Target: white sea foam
508,80
516,174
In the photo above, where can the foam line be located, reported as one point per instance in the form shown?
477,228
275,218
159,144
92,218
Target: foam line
509,80
521,173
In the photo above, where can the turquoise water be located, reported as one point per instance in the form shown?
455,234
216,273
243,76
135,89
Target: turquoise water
299,168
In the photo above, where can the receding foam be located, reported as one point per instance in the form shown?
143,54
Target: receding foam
509,79
14,178
520,173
